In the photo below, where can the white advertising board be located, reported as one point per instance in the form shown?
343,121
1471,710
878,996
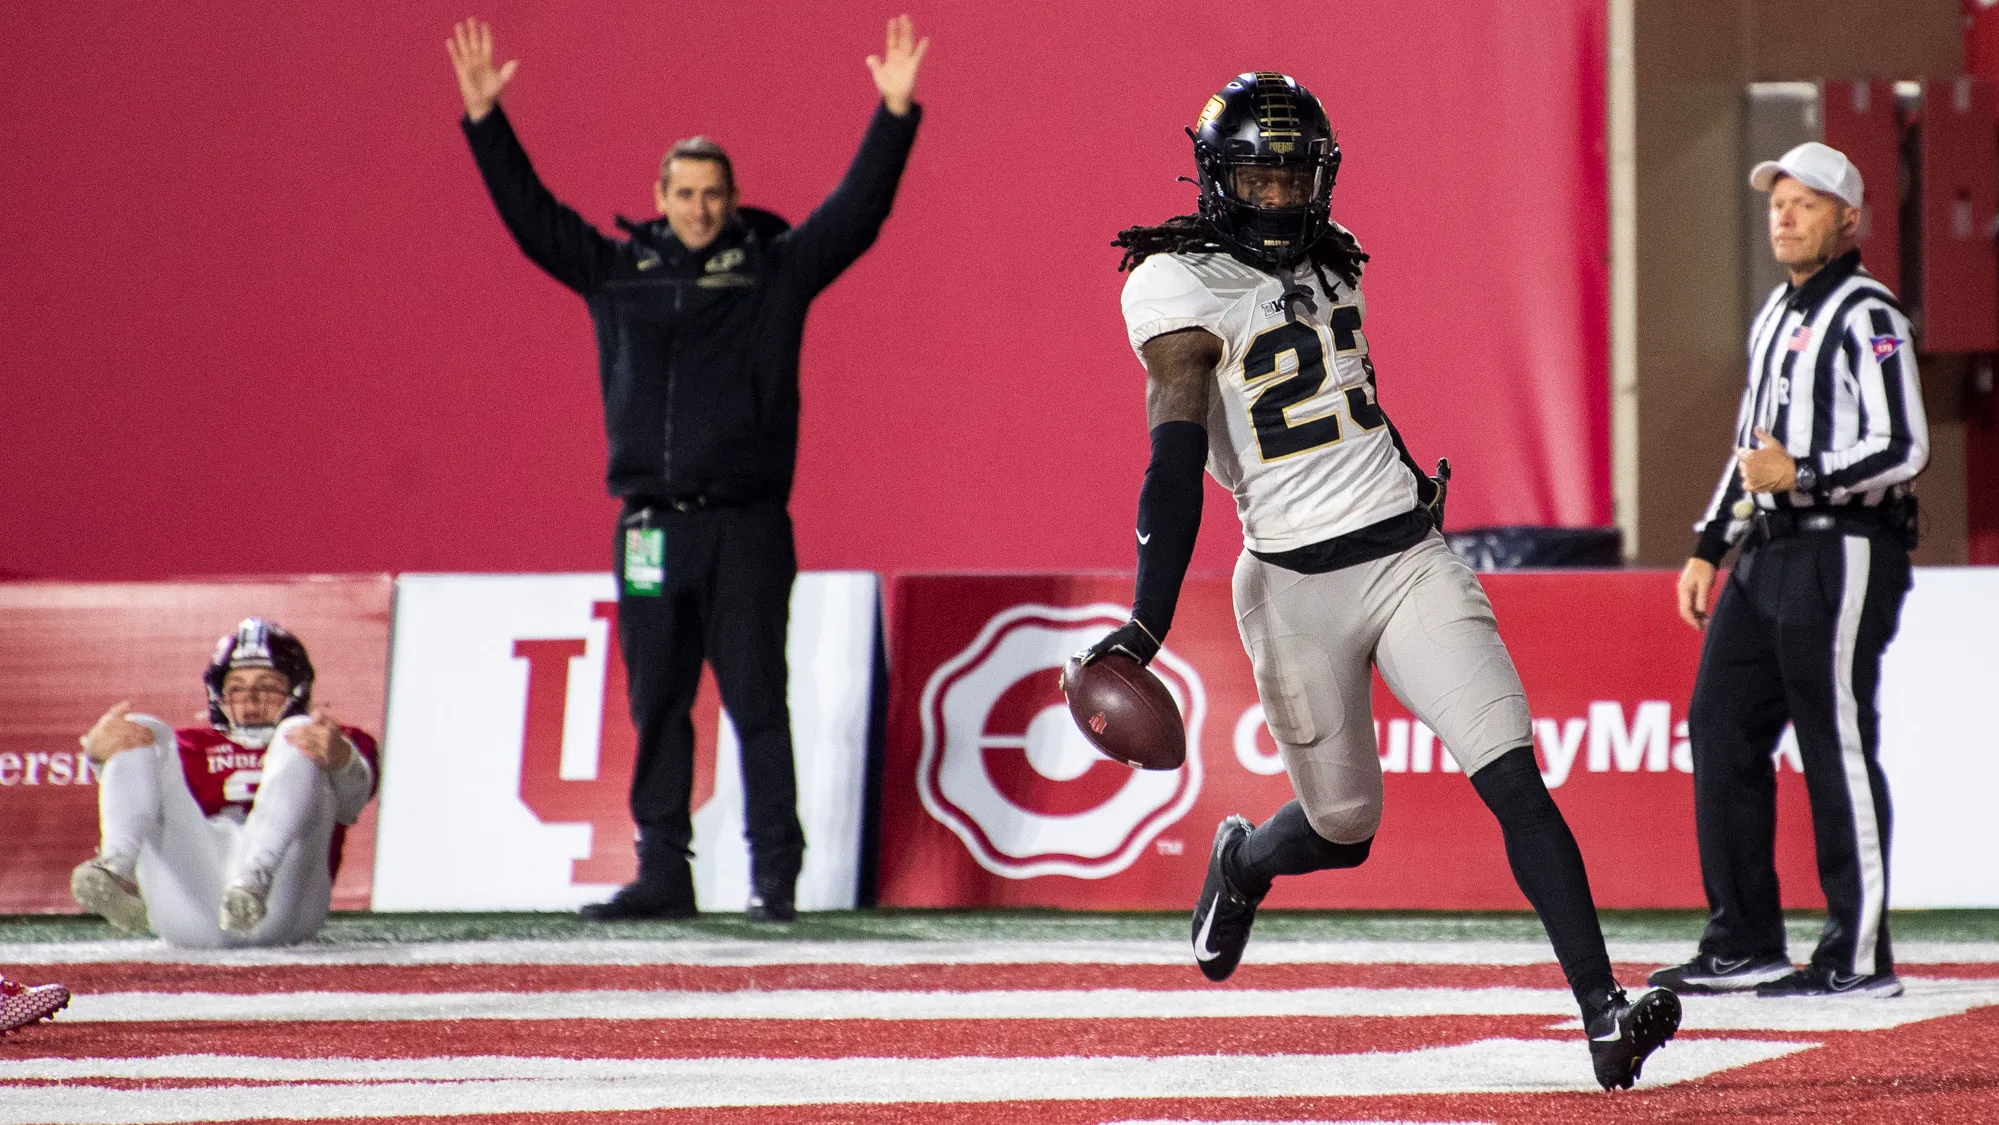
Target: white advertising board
1940,740
508,749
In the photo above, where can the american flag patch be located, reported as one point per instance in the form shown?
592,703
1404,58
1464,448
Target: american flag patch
1801,338
1884,346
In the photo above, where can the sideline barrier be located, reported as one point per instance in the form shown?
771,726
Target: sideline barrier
991,798
69,650
511,747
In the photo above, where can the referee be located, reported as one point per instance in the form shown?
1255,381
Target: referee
1830,433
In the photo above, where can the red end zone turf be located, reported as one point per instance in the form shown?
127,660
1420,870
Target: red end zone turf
977,1042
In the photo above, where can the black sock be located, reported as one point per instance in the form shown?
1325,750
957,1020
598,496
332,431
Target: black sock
1549,868
1286,845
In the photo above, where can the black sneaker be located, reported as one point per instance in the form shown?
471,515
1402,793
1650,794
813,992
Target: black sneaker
1708,974
1814,981
771,907
1624,1033
641,902
1223,916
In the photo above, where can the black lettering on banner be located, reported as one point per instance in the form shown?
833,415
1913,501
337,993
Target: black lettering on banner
1276,435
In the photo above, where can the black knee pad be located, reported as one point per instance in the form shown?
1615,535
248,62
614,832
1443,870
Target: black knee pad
1511,786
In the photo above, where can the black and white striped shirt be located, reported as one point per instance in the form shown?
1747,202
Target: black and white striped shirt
1832,374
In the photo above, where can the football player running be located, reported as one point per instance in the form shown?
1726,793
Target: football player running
1248,319
227,835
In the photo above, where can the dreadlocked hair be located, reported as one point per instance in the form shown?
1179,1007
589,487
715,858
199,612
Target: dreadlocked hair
1336,250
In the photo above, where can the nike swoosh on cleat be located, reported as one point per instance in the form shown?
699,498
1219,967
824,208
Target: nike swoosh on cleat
1725,967
1201,950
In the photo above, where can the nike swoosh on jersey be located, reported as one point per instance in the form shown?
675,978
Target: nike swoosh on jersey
1201,950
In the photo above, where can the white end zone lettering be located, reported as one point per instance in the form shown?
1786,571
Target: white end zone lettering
1004,768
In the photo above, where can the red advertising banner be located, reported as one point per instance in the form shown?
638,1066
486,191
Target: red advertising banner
70,650
991,797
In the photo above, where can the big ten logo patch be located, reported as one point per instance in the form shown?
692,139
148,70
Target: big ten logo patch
597,796
1006,770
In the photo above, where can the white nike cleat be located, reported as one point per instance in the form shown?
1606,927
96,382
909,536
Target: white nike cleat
245,902
100,887
1223,916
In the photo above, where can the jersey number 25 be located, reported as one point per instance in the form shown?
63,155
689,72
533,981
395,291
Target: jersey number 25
1269,412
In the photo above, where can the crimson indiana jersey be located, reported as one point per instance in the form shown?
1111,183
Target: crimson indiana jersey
1294,431
223,774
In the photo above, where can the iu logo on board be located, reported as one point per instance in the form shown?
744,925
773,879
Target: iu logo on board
1005,768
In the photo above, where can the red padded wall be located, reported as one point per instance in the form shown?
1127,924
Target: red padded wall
259,315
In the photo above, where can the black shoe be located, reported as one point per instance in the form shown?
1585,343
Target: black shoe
641,901
1624,1033
771,908
1223,916
1708,974
1814,981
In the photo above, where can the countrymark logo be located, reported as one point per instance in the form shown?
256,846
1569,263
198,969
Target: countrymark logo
1006,770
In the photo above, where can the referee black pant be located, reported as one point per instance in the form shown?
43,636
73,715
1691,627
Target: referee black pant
725,596
1797,637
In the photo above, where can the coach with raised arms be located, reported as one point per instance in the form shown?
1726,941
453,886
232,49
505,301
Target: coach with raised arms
699,316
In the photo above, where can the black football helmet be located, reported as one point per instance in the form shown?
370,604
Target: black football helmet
257,643
1266,120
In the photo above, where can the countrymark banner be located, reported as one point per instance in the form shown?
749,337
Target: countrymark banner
991,796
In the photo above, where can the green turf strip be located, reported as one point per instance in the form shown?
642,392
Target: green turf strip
1033,925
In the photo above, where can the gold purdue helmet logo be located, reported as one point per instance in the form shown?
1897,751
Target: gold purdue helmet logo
1277,111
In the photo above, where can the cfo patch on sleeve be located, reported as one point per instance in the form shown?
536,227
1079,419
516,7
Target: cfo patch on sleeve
1884,346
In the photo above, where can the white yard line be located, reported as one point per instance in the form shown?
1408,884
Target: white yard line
888,953
432,1087
1925,1000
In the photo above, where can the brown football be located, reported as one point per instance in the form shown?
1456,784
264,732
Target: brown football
1126,712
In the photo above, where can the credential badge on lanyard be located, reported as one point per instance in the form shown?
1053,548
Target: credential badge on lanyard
645,561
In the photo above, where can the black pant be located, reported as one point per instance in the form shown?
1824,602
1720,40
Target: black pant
1798,637
726,595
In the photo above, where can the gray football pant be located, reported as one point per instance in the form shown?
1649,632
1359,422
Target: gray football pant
1419,616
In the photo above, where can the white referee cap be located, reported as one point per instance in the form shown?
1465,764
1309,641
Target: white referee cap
1820,167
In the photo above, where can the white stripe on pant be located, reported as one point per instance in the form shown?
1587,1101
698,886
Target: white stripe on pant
1872,865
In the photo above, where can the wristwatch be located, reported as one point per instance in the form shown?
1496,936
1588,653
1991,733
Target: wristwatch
1808,477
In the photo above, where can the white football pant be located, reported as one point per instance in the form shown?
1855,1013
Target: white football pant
1422,619
186,861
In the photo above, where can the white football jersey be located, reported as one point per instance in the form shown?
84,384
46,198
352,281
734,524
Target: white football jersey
1294,431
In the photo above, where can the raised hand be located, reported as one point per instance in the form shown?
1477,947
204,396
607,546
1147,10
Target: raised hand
895,68
321,741
471,50
115,734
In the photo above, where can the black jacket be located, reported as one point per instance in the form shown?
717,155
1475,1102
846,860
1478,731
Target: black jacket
697,353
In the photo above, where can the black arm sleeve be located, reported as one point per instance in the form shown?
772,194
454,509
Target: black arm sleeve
845,223
552,236
1169,519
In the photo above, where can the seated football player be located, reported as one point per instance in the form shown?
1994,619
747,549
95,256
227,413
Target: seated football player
227,835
